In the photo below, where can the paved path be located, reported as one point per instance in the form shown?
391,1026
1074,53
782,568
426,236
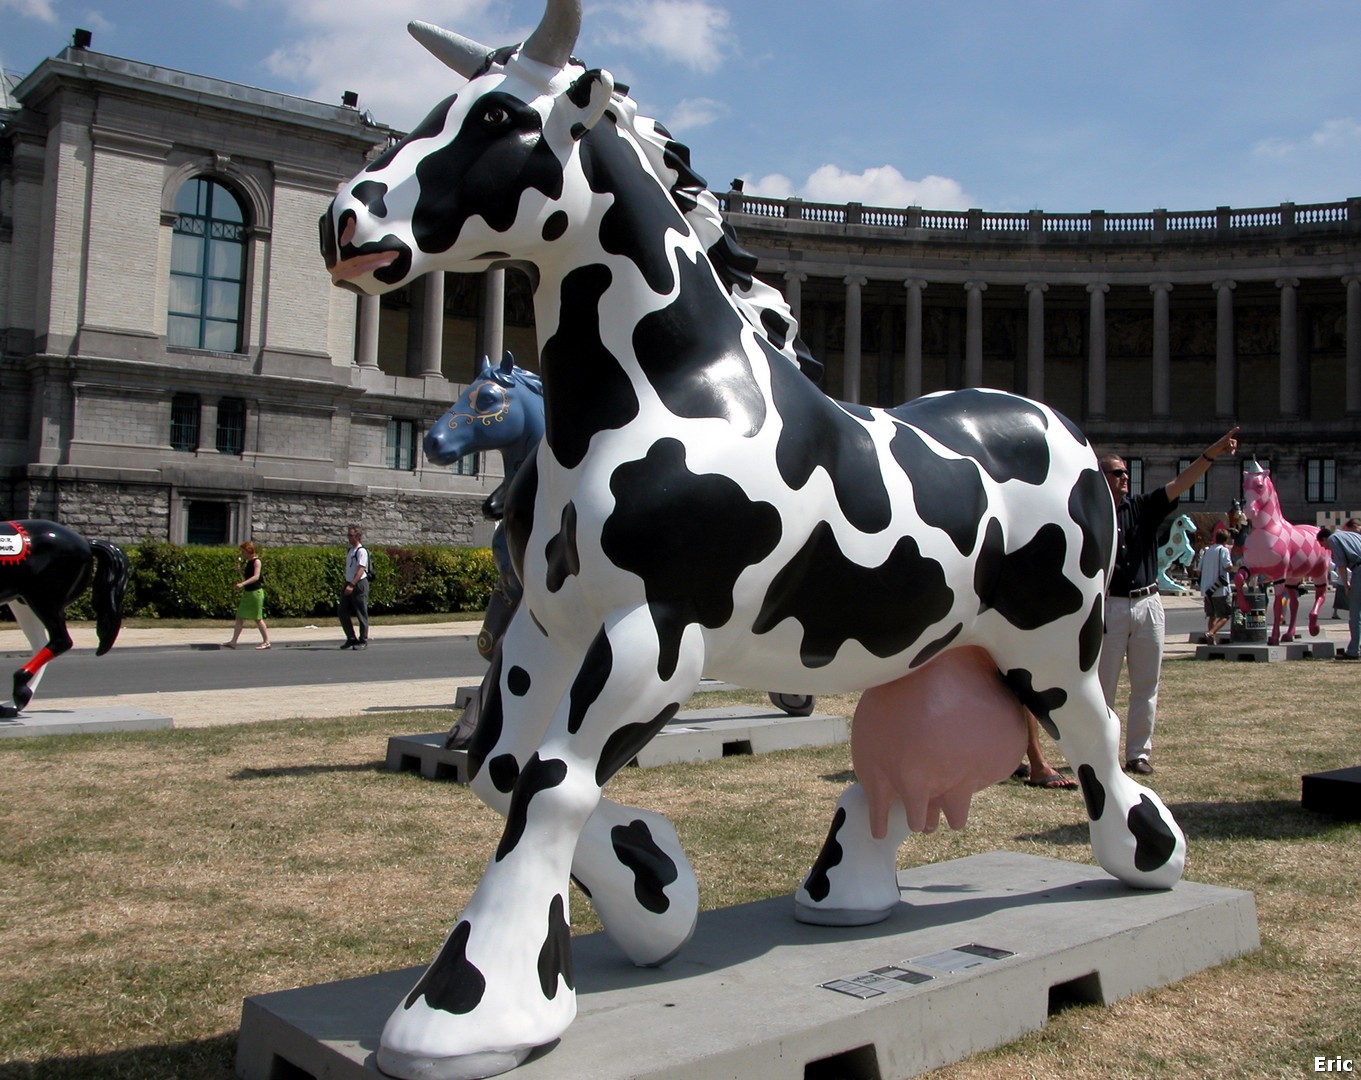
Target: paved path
205,708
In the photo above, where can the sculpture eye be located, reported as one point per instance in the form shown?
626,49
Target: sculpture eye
495,116
488,400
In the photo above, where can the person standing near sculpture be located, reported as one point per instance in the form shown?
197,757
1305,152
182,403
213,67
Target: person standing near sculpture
1216,562
251,605
1345,546
354,600
1135,621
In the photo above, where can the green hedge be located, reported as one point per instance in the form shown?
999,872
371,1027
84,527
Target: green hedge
171,582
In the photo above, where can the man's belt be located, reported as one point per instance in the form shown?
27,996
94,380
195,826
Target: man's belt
1137,594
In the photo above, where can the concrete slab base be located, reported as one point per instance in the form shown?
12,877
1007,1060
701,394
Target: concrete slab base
426,755
708,734
1294,650
978,954
82,721
694,735
1337,793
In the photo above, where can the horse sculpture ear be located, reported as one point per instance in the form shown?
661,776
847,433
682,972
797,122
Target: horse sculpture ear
507,363
484,372
591,94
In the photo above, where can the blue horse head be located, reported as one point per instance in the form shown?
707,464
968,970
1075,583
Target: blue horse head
502,409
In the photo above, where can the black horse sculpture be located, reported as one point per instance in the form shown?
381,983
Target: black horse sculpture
43,568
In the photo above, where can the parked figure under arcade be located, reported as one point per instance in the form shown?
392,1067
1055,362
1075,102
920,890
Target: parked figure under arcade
1135,622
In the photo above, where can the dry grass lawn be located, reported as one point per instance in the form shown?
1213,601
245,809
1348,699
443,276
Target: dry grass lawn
150,882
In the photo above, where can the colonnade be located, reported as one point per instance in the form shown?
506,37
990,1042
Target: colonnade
1161,368
427,361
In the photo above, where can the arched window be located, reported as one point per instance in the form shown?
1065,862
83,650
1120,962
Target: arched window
207,268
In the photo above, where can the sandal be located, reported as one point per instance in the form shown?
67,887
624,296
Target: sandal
1053,782
262,648
229,645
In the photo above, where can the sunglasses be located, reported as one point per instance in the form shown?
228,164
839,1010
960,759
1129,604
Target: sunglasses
1117,472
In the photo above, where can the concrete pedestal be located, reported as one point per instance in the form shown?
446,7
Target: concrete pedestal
978,954
82,721
1294,650
694,735
1337,793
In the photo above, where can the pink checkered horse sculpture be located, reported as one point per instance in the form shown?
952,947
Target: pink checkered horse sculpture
1287,554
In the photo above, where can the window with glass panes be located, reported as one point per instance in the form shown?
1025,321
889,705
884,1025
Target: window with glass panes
207,267
231,426
1320,480
184,420
1196,493
401,444
1136,475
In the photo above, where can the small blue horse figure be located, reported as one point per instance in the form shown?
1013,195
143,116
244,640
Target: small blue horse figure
43,568
502,409
698,507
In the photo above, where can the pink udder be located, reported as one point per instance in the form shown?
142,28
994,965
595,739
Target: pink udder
932,738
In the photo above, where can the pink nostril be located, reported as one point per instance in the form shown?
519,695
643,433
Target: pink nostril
348,234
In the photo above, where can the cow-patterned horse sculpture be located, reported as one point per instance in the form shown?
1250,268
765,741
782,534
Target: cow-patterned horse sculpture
1287,555
698,506
43,568
1177,551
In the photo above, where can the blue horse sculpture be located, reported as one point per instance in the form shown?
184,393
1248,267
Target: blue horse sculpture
502,409
43,568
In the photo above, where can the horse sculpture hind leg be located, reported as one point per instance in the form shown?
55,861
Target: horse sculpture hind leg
45,645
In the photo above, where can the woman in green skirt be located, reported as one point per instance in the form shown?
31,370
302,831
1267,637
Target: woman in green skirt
252,603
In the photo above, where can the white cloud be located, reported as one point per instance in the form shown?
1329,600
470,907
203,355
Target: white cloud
32,9
1340,133
880,186
690,32
774,186
694,113
362,45
1343,133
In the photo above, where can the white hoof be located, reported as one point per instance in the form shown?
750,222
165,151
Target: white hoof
855,879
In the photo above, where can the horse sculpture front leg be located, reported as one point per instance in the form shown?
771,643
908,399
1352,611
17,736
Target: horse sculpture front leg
503,984
628,861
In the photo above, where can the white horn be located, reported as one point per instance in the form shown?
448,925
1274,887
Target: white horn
552,43
461,54
1253,468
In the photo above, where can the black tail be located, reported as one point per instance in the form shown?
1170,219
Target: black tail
112,570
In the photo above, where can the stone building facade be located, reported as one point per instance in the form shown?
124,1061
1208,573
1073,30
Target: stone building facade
1155,332
175,364
174,361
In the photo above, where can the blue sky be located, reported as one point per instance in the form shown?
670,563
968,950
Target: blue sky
1065,106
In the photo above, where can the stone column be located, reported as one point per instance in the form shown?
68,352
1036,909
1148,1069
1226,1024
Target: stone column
1096,351
973,333
1290,356
912,344
432,326
793,292
366,353
1162,348
1034,348
1225,363
1353,284
493,315
850,363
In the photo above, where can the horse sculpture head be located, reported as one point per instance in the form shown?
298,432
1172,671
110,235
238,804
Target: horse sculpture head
481,179
1259,494
502,409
